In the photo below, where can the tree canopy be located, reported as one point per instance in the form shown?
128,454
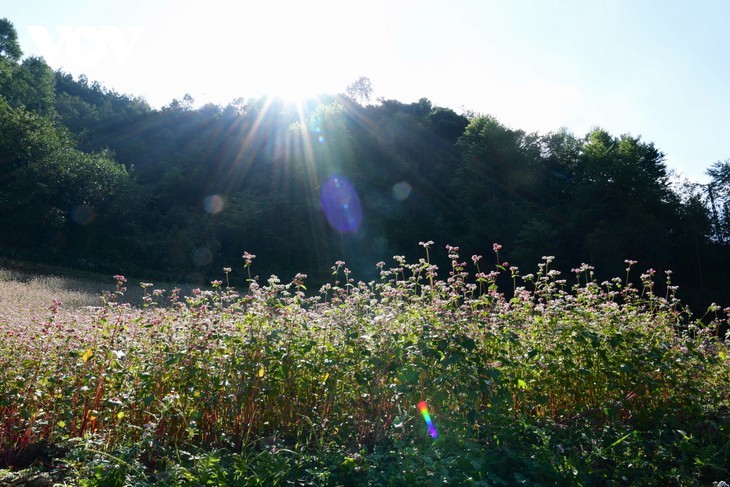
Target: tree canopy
9,46
93,178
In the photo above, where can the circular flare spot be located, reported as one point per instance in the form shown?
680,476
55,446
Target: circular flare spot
202,256
402,190
213,204
341,205
83,214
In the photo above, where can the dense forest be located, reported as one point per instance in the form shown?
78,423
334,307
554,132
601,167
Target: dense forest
98,180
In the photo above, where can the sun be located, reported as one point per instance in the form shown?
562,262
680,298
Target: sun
294,89
293,50
289,50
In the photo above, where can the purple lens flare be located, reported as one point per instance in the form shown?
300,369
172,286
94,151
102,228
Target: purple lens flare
341,205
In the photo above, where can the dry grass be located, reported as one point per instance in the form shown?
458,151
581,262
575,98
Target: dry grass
27,297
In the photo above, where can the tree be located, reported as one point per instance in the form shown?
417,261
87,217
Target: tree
447,123
9,47
718,192
494,182
32,86
360,90
43,178
622,206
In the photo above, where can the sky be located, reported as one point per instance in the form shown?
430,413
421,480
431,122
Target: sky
659,69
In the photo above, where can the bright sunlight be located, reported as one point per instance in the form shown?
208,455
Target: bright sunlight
291,53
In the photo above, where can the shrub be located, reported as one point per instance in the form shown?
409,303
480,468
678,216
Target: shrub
569,383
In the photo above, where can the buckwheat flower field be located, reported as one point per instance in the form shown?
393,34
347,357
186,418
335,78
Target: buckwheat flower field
554,380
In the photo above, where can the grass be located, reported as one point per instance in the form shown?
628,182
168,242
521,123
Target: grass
565,382
28,290
24,295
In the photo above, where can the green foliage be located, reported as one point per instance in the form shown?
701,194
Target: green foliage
97,115
29,84
32,87
495,171
582,384
9,47
46,180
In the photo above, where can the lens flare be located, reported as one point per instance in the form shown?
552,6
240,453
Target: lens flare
83,214
423,407
213,204
402,190
341,205
202,256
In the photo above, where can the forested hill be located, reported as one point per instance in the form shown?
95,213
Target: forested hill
99,180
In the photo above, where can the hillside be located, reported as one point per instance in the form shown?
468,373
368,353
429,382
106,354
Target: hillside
98,180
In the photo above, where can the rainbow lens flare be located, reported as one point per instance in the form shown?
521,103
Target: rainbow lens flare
427,417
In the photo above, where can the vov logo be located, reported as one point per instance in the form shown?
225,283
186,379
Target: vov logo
86,46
